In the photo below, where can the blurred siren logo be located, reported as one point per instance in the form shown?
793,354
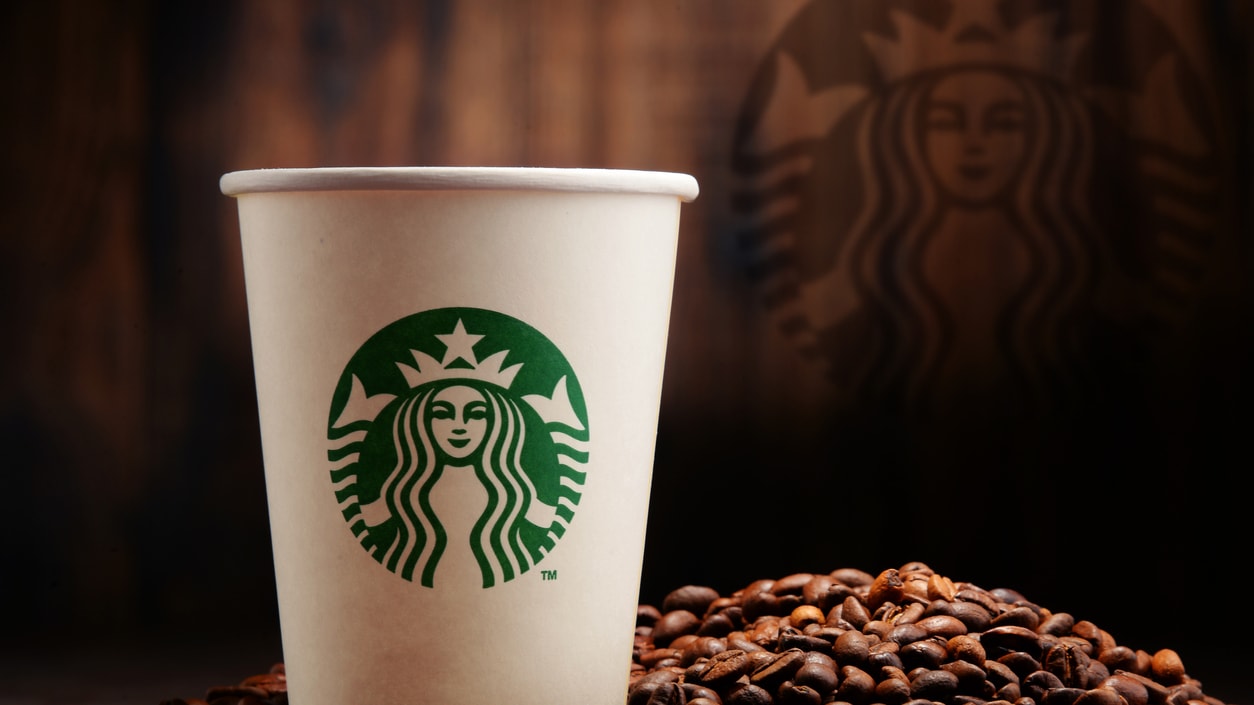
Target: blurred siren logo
459,436
944,198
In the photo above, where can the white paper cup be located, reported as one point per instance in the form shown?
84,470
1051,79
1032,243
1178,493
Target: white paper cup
458,376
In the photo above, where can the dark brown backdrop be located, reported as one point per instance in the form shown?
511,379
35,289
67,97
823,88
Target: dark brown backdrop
1066,414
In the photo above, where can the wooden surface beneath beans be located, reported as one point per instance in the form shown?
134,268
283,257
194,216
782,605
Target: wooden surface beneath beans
907,636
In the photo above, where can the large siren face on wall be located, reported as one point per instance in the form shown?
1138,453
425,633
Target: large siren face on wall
980,199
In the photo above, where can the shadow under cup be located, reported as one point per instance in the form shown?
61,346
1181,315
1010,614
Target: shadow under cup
458,375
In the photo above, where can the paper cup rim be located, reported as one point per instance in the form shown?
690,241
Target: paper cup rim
441,178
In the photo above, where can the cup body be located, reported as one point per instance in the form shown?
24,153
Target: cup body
458,376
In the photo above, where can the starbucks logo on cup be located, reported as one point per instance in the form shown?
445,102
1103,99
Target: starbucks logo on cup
459,398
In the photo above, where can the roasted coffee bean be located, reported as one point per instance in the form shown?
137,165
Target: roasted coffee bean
792,639
719,624
1058,624
1008,639
674,624
703,647
934,685
771,675
692,691
855,684
1061,696
854,611
882,656
851,649
927,653
807,614
726,668
791,584
887,587
970,676
692,598
821,677
1167,667
1132,690
1118,658
942,625
1037,684
759,604
1019,617
978,597
816,591
647,615
749,694
667,694
1100,696
798,695
903,634
1069,663
892,691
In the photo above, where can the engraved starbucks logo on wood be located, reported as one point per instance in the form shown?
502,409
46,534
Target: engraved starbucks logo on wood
997,203
458,437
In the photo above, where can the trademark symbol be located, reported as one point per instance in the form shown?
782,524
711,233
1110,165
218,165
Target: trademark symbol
548,575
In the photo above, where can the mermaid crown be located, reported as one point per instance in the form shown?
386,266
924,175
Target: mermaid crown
974,34
459,362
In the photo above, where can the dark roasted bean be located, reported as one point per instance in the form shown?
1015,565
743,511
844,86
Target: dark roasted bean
791,584
692,691
822,678
1101,696
692,598
943,625
928,653
724,669
970,676
1069,663
771,675
815,591
999,641
667,694
934,685
1118,658
749,694
1035,685
643,689
851,649
718,624
798,695
1019,617
1132,690
674,624
892,690
1061,696
854,611
855,684
1058,624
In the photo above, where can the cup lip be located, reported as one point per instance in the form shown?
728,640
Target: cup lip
448,178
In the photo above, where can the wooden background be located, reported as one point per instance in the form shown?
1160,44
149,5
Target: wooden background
135,503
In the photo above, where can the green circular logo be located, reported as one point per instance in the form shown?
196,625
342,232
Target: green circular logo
460,398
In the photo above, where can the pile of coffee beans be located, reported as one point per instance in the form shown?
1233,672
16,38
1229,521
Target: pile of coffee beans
907,636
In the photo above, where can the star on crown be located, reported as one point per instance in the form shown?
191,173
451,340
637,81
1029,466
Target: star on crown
975,34
459,362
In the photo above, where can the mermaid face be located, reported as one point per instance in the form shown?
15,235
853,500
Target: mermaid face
459,420
975,134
